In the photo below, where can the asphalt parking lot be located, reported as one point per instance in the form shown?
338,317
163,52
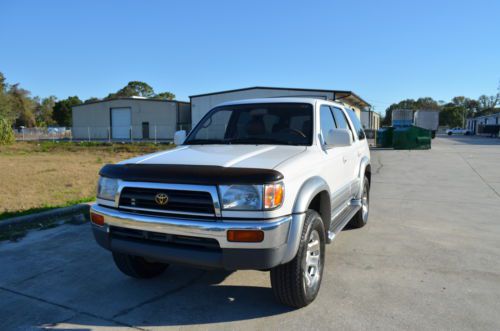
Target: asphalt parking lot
428,259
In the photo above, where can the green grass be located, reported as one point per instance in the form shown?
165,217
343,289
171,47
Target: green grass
9,214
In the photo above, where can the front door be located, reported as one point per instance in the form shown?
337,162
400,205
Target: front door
350,155
335,163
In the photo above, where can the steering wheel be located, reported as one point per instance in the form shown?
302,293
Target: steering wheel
295,131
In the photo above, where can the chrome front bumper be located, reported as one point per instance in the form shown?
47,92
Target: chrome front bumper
280,244
276,231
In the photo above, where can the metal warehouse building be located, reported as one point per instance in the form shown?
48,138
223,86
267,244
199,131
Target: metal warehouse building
130,118
370,119
202,103
485,124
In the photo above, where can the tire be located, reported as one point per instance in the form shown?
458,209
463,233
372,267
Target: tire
450,133
296,283
361,218
138,267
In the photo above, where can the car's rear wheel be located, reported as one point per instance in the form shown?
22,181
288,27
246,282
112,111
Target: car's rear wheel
361,218
138,267
296,283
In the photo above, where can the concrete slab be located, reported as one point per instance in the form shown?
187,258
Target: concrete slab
428,259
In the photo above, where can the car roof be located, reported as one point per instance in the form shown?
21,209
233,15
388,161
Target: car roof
312,101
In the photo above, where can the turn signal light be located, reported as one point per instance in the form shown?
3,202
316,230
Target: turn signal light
246,236
97,219
273,195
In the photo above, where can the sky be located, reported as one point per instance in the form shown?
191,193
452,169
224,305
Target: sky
384,51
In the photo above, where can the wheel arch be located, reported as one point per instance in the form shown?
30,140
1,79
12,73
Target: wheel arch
314,194
365,169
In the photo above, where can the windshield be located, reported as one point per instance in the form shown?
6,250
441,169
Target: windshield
270,123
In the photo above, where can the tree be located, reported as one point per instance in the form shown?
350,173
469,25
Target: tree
452,115
23,106
44,111
5,106
133,88
488,102
471,105
6,133
63,110
92,99
165,96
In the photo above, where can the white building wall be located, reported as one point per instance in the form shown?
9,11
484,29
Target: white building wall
94,119
365,120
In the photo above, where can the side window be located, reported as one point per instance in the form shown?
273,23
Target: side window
326,121
357,124
341,120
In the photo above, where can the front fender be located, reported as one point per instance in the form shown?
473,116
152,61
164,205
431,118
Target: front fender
306,193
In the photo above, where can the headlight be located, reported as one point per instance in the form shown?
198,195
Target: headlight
106,188
252,197
241,197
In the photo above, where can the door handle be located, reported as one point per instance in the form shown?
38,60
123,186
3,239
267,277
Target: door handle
359,153
344,159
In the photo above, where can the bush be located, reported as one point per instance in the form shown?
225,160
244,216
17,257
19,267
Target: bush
6,133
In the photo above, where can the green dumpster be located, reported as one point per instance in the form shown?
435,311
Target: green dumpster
411,137
384,137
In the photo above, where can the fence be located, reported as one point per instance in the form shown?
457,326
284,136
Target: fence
134,133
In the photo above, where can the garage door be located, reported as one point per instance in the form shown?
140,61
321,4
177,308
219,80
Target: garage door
120,121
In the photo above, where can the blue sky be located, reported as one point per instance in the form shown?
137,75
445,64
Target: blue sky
384,51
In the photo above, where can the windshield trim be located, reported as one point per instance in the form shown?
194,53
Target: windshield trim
223,142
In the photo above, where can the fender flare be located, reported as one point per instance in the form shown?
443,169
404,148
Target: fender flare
365,162
309,189
307,192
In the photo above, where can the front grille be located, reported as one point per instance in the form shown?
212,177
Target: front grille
179,202
163,238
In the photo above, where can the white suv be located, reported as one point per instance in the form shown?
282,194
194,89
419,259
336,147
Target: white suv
258,184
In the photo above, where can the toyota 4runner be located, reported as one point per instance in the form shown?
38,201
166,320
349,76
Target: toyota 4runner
258,184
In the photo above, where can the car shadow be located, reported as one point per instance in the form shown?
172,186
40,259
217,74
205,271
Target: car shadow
206,299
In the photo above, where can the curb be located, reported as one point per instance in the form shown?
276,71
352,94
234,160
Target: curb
45,215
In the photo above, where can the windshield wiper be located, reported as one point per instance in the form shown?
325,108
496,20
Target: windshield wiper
204,141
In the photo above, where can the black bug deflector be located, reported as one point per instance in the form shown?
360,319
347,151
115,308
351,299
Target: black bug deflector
189,174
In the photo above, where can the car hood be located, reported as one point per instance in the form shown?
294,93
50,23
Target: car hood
238,156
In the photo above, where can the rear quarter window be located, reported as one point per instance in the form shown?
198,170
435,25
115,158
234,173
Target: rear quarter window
357,124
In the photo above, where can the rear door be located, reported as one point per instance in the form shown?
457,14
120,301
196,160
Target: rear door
121,123
360,147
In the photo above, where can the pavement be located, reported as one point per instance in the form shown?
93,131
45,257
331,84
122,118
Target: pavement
428,259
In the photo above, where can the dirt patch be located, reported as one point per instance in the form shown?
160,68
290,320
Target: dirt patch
40,175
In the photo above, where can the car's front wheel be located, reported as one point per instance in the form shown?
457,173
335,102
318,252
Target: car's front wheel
297,282
138,267
450,133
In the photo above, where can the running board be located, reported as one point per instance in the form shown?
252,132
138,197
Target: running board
344,216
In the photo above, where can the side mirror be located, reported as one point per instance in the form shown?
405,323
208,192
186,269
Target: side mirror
338,138
179,137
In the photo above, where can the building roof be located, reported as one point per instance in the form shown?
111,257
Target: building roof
134,98
348,96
